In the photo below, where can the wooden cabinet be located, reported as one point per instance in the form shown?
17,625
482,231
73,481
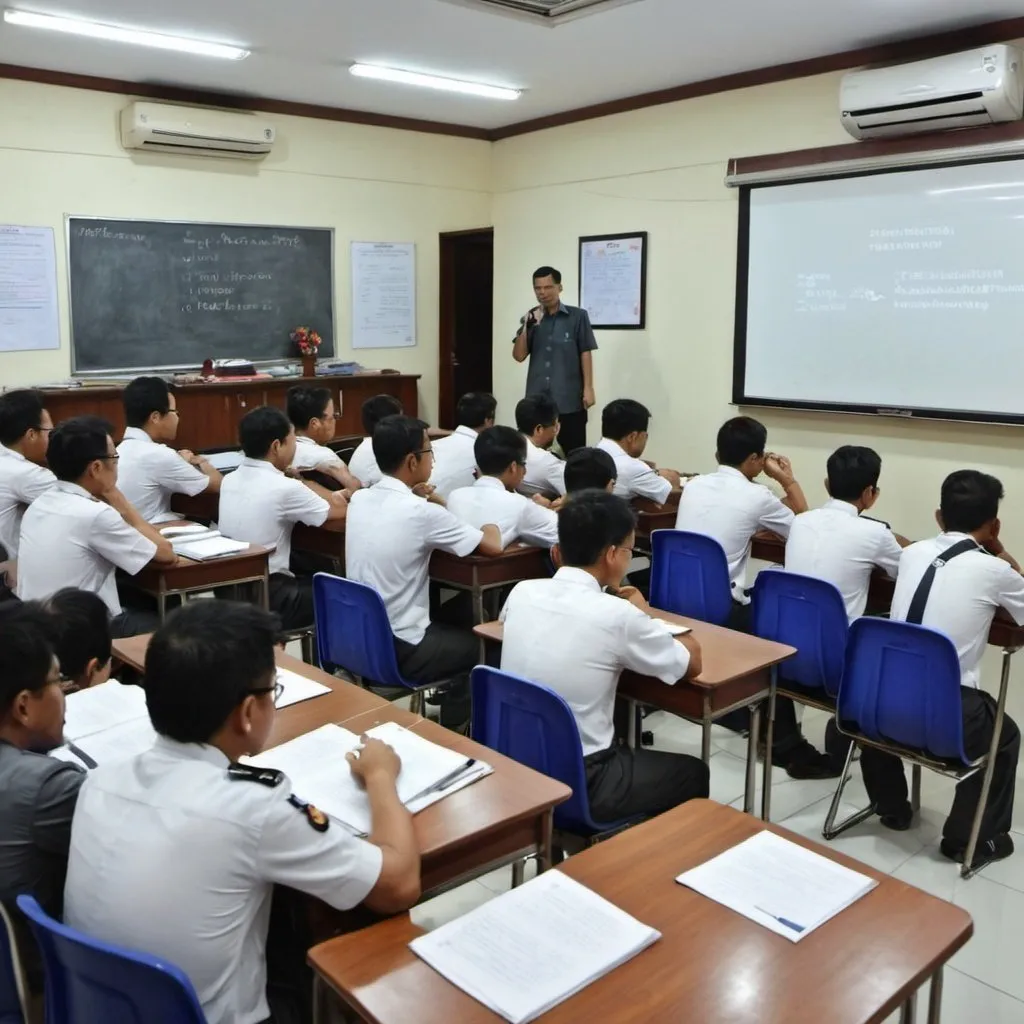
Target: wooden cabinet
210,412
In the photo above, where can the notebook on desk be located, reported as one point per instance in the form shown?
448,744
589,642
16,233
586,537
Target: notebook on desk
207,548
105,723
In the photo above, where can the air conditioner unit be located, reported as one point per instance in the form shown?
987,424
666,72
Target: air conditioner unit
962,90
161,128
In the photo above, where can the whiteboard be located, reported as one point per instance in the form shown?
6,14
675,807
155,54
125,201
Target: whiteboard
383,294
28,289
613,272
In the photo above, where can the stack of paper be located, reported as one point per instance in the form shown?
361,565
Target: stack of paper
297,688
781,885
191,531
225,461
207,547
319,773
533,947
105,723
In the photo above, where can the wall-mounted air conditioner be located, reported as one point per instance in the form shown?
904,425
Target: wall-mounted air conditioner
159,127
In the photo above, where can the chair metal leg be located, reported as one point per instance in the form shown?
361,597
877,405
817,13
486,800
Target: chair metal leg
915,788
749,791
416,702
830,829
769,739
518,873
705,735
632,731
935,998
966,869
319,1002
308,652
907,1010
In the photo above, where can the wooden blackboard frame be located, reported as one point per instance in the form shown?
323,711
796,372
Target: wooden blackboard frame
182,367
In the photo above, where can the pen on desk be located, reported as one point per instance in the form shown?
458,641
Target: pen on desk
785,922
82,755
444,783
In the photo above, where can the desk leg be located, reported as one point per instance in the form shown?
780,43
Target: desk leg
545,852
632,724
935,998
750,788
161,604
319,1002
769,739
705,734
907,1010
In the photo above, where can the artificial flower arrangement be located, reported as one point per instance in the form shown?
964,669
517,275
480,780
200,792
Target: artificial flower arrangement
306,340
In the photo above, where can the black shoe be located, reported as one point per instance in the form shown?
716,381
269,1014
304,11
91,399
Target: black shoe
998,848
901,820
804,762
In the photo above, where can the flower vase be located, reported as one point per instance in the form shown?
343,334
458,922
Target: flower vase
309,365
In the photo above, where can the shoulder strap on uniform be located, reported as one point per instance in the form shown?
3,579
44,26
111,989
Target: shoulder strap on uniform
920,599
269,777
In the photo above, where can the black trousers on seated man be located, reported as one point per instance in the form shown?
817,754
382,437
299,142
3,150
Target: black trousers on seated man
291,598
445,652
886,780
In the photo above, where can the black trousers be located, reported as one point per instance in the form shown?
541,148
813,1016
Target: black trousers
291,597
445,652
572,433
623,782
133,622
886,781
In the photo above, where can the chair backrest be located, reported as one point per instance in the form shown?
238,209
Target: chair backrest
12,992
533,725
89,981
353,631
807,614
690,576
901,683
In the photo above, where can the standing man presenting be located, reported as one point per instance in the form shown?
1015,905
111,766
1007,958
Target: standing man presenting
558,340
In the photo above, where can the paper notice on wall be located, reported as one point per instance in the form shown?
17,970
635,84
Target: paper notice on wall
28,289
383,294
612,280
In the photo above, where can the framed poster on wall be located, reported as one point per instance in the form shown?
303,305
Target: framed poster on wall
613,280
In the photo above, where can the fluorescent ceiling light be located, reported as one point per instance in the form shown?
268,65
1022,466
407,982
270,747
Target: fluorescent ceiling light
93,30
491,92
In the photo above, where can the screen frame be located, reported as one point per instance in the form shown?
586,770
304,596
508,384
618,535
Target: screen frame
739,362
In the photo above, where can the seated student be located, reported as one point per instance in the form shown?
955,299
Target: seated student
389,538
960,598
82,530
589,469
454,462
25,427
258,503
363,464
311,411
537,420
150,472
37,793
81,638
500,452
624,437
176,852
568,634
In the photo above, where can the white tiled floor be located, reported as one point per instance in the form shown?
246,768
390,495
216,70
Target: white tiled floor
984,983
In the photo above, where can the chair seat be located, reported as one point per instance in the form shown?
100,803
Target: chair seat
946,766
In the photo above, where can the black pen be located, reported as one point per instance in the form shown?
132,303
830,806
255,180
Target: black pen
81,755
444,783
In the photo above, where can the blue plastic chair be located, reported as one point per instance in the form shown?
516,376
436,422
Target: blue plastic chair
88,981
690,576
533,725
901,693
12,991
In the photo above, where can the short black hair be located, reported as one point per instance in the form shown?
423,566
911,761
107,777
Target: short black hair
969,500
590,524
851,470
203,662
377,408
535,411
555,275
497,447
75,443
474,409
26,650
20,412
144,396
306,403
395,438
622,417
739,438
260,428
82,630
589,469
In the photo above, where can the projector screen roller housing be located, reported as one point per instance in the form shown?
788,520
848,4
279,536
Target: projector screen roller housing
895,293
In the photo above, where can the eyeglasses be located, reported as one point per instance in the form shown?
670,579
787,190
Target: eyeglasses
424,451
633,552
110,458
277,689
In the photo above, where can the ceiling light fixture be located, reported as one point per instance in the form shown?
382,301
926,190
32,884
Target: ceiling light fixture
491,92
112,33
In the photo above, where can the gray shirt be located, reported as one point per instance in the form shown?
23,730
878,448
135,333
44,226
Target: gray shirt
555,346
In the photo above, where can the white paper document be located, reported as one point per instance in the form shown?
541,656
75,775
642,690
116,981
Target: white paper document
102,707
534,946
118,743
383,294
225,461
673,628
28,289
205,548
779,884
191,531
297,688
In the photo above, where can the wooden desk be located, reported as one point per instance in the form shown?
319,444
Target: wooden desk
326,540
737,673
650,517
204,506
711,965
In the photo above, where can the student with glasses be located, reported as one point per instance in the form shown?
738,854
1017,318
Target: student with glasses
82,530
311,411
177,852
151,472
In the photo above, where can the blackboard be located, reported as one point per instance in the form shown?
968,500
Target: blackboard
150,294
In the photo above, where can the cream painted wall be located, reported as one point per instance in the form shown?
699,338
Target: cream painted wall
59,154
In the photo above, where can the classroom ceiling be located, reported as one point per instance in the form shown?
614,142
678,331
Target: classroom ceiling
301,49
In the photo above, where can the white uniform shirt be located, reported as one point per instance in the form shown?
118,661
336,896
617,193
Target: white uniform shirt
834,543
148,474
515,515
729,507
454,461
310,455
363,464
566,633
545,472
634,478
21,482
964,598
170,855
258,503
390,534
71,539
